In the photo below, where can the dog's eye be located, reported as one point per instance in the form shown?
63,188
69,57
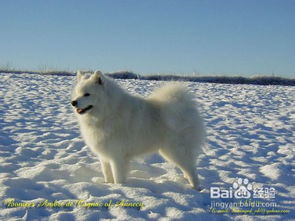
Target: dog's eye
86,94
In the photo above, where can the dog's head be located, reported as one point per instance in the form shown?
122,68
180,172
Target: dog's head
88,92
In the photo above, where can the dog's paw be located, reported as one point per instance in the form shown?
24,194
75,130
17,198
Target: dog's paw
199,188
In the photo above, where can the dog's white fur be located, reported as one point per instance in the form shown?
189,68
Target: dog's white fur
120,126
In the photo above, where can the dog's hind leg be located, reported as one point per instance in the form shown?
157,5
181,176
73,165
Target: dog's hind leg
107,171
184,160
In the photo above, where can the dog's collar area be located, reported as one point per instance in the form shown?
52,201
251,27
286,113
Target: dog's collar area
82,111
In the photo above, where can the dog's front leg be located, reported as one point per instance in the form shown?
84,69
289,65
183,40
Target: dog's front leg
119,169
107,171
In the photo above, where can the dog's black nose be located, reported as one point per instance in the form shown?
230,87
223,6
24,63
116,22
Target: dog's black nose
74,103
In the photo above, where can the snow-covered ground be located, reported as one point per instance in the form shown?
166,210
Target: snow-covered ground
43,160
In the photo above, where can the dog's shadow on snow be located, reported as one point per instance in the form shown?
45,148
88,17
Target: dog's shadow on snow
152,175
155,187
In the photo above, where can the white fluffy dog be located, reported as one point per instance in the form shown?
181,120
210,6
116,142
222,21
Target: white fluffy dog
118,126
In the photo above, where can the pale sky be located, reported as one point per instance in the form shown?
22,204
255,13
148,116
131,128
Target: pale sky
244,37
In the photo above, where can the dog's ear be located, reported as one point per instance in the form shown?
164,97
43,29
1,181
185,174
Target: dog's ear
79,75
97,77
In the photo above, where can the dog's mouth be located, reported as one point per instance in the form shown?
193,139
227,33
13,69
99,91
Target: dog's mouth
82,111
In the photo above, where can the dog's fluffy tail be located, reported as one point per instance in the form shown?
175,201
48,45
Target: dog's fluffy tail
179,110
174,97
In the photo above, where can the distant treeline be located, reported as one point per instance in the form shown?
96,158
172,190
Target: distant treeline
259,80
